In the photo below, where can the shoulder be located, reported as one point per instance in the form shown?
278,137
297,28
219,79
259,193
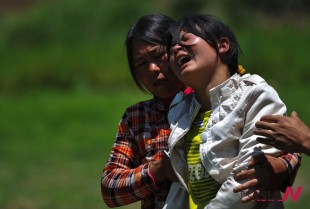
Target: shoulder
259,94
139,109
253,79
257,84
141,105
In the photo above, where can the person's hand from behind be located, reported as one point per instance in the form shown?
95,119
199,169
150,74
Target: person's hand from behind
264,173
285,133
162,170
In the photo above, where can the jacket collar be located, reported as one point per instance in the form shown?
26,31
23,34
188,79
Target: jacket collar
218,93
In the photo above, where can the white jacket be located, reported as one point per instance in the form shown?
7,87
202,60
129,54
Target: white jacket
228,141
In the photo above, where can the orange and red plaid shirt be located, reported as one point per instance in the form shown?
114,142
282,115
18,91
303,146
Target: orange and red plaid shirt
142,136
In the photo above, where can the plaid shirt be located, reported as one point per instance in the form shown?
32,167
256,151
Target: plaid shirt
142,135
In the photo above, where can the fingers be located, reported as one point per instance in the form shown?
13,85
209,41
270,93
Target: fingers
278,143
270,118
264,125
264,140
295,116
266,130
245,174
254,170
251,163
259,159
253,183
252,196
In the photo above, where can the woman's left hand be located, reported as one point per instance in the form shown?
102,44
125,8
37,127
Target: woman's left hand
264,173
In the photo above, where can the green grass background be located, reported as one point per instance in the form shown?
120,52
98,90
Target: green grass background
64,85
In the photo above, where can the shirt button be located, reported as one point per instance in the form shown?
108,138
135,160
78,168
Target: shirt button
203,137
214,172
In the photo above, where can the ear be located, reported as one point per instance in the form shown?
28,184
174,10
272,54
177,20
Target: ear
223,45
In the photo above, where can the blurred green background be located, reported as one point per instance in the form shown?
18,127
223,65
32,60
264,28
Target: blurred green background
64,85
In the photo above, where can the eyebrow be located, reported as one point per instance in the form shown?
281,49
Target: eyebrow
151,52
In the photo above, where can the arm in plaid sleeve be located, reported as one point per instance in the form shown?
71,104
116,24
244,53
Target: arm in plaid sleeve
292,162
125,178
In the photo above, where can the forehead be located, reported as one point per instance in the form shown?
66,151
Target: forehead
141,48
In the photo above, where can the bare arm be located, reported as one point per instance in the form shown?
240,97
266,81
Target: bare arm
285,133
268,173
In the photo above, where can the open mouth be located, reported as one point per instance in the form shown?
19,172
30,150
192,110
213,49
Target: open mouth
183,60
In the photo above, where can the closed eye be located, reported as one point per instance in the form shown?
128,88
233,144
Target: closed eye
140,64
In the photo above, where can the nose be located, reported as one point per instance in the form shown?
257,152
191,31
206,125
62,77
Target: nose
175,49
154,67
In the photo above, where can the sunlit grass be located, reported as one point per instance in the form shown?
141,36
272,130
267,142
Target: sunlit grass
53,146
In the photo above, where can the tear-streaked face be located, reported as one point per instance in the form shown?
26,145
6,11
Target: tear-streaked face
193,60
152,70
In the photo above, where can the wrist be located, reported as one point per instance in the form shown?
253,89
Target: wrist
150,173
156,172
284,171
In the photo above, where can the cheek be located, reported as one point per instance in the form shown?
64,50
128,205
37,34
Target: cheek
142,78
176,73
173,77
172,65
